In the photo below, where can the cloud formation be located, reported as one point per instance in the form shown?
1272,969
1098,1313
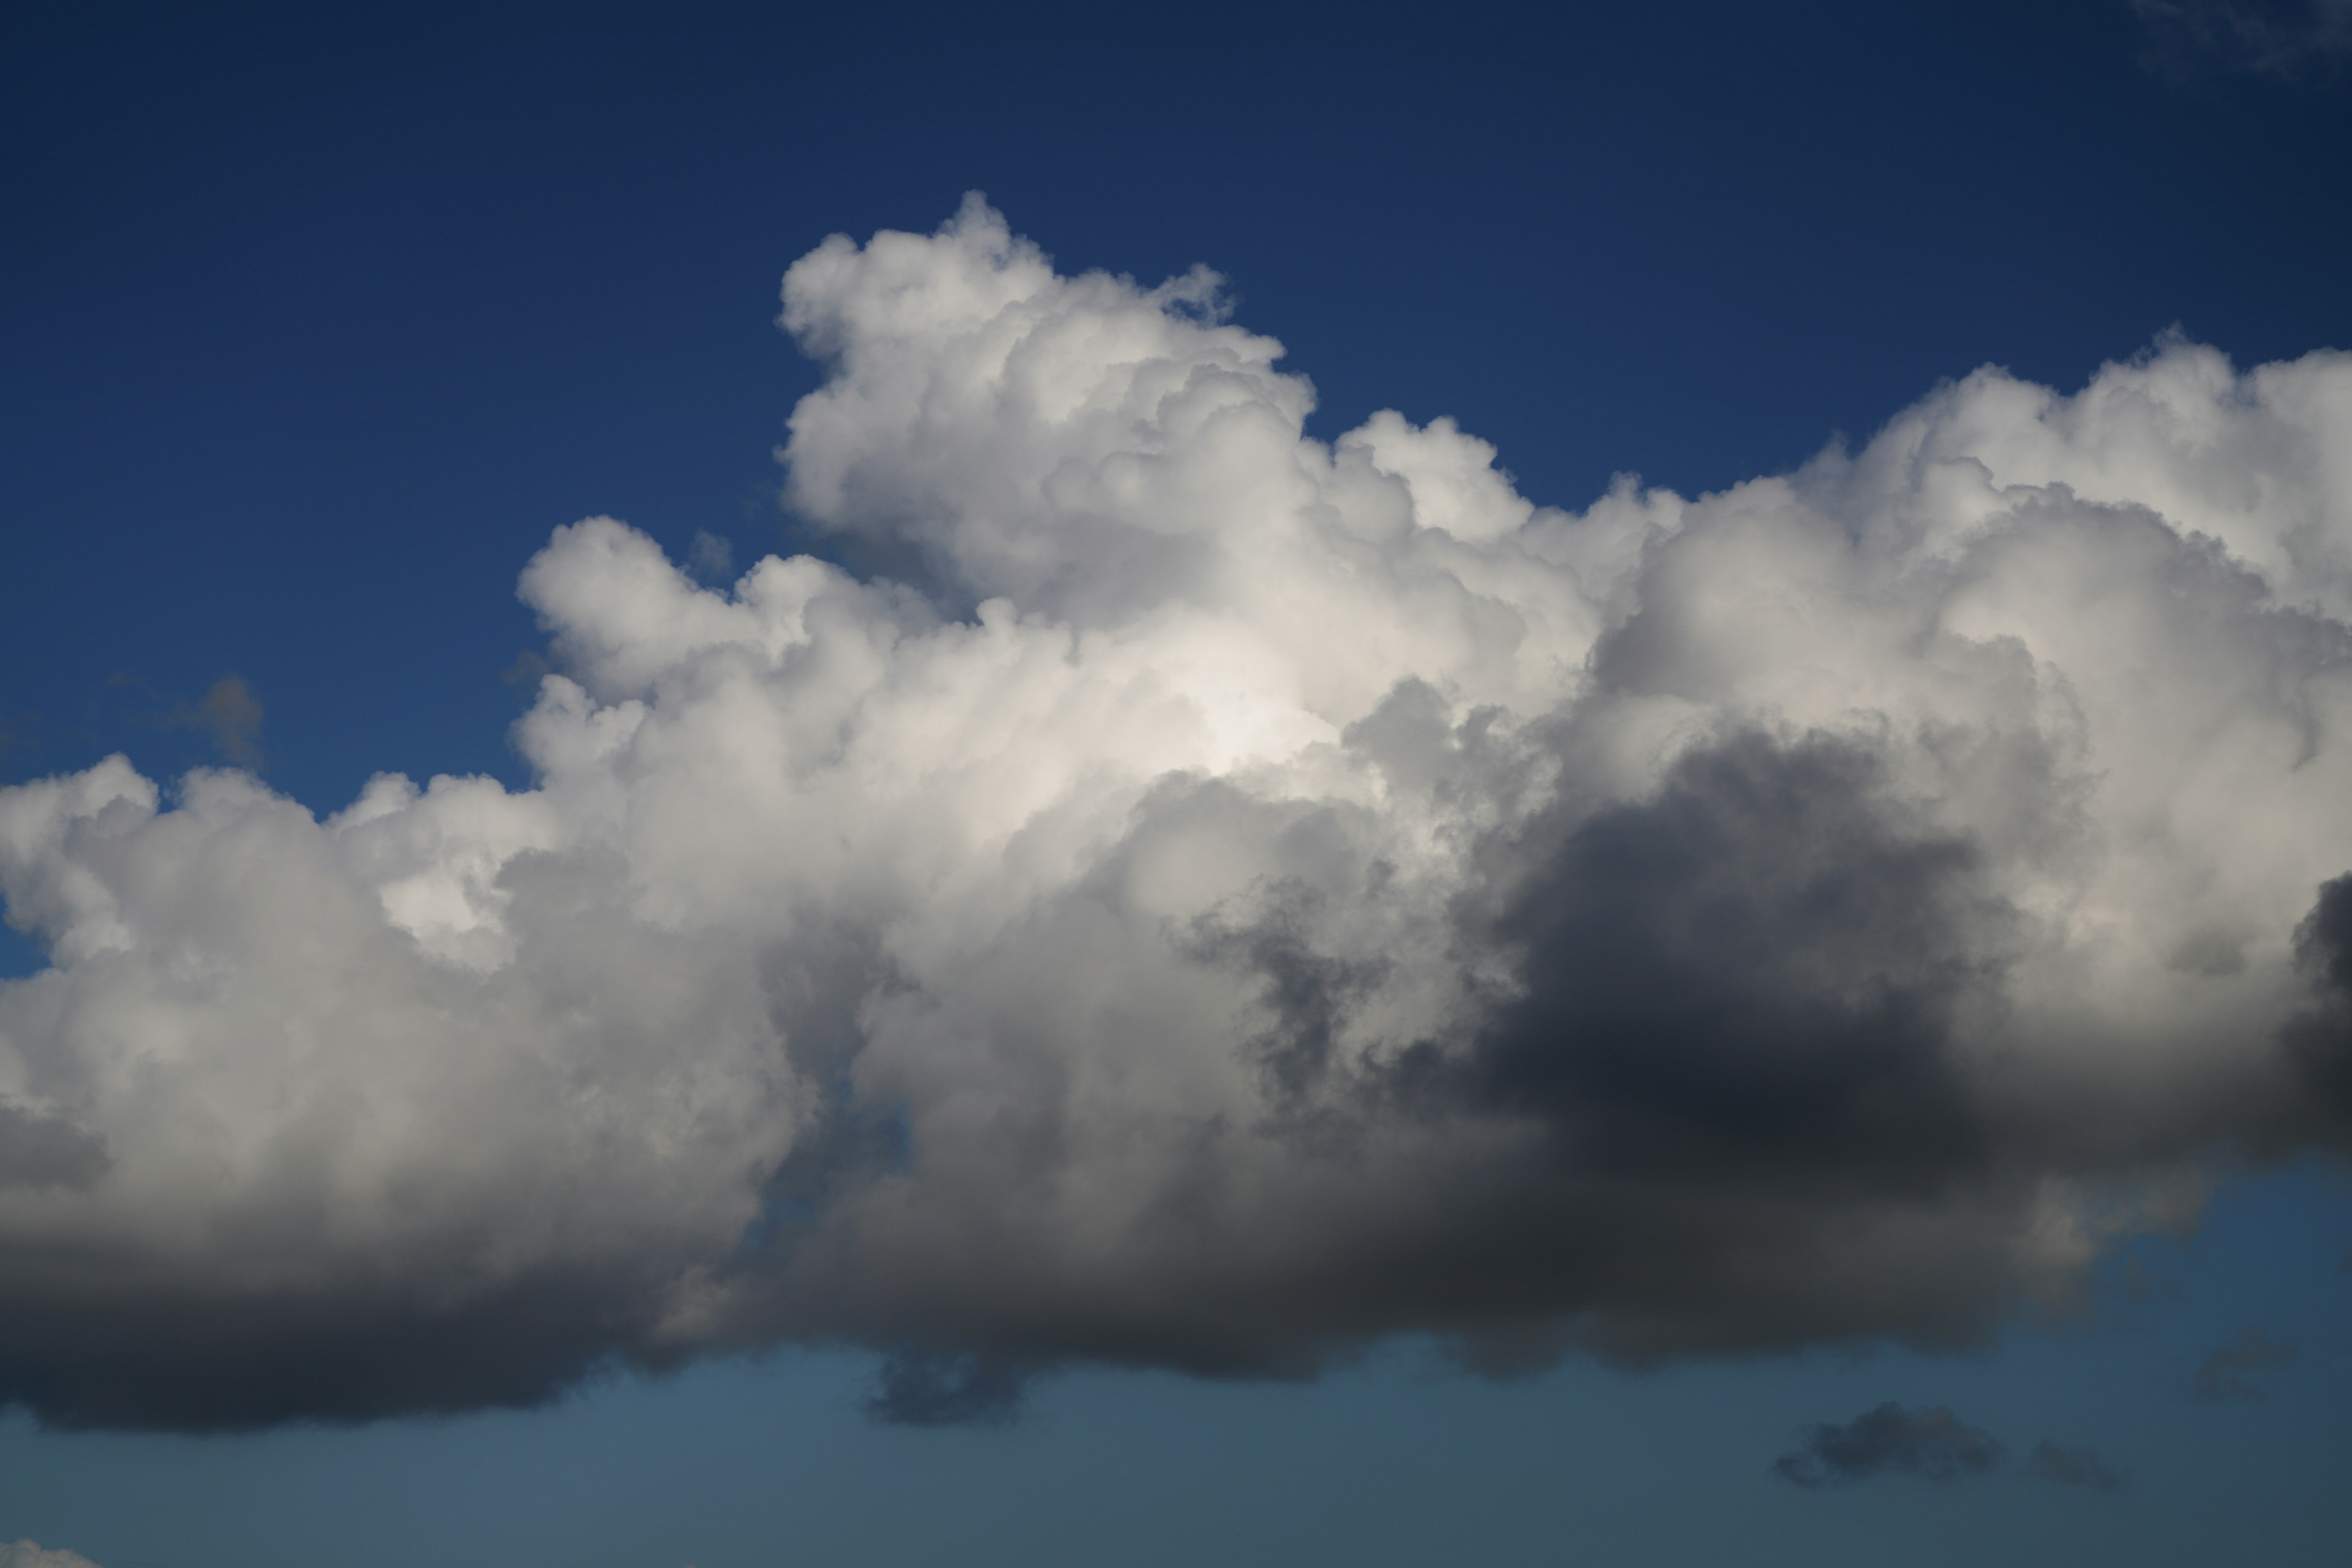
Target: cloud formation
2071,1466
33,1555
230,716
1931,1444
2228,1372
1189,895
2288,38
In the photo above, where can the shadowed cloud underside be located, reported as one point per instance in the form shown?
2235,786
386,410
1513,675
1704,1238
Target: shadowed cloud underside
1206,897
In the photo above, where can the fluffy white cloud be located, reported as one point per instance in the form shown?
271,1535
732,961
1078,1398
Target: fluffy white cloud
1206,897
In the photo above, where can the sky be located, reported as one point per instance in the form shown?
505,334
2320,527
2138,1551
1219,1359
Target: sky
1288,784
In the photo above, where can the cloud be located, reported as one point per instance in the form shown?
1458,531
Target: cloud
2228,1372
2287,38
33,1555
916,1389
230,716
1932,1444
42,1150
2320,1039
1190,895
2071,1466
711,558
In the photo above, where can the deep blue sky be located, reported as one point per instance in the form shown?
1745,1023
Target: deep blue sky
317,321
317,325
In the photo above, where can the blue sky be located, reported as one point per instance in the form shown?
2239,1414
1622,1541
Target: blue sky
320,325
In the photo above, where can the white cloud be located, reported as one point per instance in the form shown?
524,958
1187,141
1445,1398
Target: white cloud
1229,895
33,1555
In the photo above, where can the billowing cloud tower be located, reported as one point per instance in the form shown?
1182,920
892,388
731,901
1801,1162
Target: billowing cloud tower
1199,896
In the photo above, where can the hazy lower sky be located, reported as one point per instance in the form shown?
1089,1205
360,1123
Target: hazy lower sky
1283,785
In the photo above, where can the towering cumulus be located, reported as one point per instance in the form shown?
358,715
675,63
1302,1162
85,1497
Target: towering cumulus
1195,896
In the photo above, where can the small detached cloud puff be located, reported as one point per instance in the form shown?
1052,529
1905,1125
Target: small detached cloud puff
1931,1444
2232,1370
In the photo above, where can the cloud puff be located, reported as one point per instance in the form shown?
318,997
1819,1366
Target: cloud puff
914,1389
1932,1444
33,1555
1189,895
2228,1372
230,715
2071,1466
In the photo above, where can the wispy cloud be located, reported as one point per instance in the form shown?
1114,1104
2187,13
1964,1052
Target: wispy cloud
230,716
2287,38
711,558
2071,1466
2228,1372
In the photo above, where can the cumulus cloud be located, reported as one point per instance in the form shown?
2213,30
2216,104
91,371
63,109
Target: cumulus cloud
1187,894
33,1555
1932,1444
2228,1372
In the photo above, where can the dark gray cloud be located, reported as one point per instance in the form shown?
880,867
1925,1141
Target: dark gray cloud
1931,1444
2071,1466
251,1360
2319,1040
2230,1371
1757,972
1730,1016
914,1388
1697,1089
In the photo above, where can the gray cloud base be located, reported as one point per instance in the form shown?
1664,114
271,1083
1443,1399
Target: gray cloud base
1210,899
1931,1444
